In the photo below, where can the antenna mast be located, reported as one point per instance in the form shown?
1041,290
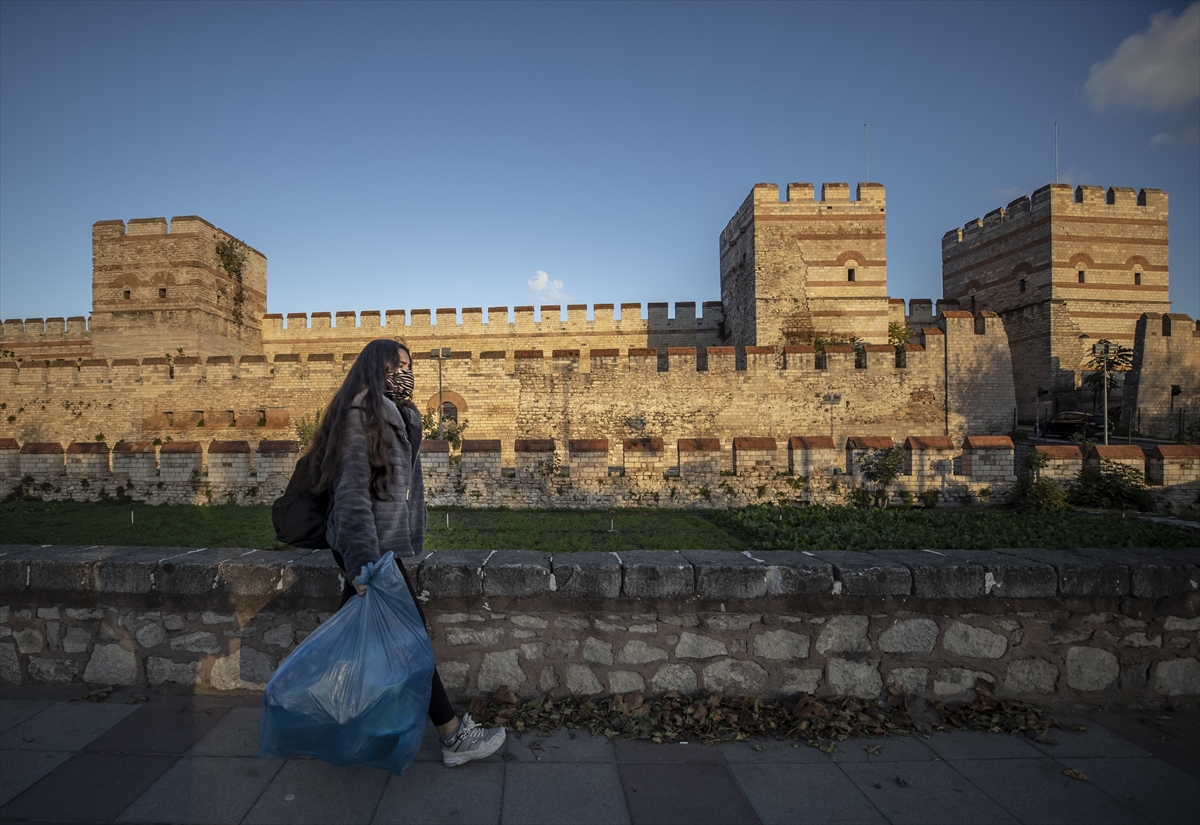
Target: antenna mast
866,162
1056,151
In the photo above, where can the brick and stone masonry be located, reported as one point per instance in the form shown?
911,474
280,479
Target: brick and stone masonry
1097,627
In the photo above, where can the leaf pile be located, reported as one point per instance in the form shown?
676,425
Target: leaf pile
821,721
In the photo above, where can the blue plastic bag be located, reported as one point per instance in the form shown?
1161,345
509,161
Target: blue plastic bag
355,691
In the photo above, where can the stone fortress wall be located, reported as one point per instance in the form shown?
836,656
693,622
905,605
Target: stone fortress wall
1063,269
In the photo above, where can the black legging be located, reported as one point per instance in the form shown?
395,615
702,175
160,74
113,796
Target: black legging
440,709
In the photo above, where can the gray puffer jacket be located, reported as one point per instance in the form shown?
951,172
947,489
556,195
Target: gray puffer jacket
362,528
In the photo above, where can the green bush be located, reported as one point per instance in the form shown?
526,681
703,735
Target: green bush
930,499
1038,495
861,497
1110,486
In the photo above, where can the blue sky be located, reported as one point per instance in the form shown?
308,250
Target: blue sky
400,156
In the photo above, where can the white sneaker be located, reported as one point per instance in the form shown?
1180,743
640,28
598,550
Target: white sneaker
470,742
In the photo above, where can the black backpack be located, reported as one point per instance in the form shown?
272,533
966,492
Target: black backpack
300,514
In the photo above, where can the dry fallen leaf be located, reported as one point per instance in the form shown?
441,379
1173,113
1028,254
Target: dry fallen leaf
901,782
877,785
1076,774
874,750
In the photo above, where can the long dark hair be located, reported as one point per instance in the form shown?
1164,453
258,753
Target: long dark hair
370,371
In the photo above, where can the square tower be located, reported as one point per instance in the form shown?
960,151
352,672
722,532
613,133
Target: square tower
156,291
1063,269
799,269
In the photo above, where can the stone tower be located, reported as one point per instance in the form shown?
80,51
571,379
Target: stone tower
156,291
802,268
1063,270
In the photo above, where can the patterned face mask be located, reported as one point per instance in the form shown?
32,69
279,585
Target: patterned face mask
399,386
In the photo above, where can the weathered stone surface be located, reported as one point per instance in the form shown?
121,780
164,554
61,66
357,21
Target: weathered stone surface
173,623
735,677
781,644
954,681
10,665
160,671
30,640
1011,576
209,617
453,574
486,636
597,652
571,623
685,620
52,671
1091,669
82,615
736,622
1178,677
610,626
1030,677
516,573
864,574
534,651
547,679
198,642
48,613
625,681
910,636
938,576
1136,640
854,678
455,677
674,677
799,680
529,621
1135,675
587,575
1179,623
844,634
149,635
280,636
77,640
500,668
725,574
565,647
795,574
974,642
693,646
912,679
1154,573
638,652
111,665
244,669
582,682
654,574
1079,575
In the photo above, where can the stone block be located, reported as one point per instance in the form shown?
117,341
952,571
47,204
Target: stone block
10,665
1151,576
957,682
625,681
30,640
597,652
910,636
865,574
795,574
974,642
781,644
848,678
149,635
587,575
244,669
695,646
1030,677
655,574
14,567
638,652
283,636
844,634
198,642
735,677
1177,677
799,680
51,671
938,576
517,573
111,665
736,622
188,576
130,571
453,574
910,679
160,671
1010,576
484,636
1091,669
582,682
313,579
77,640
1079,575
500,668
675,677
723,574
455,677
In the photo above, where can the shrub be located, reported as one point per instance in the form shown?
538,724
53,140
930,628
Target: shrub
907,498
861,497
1038,495
1112,485
930,499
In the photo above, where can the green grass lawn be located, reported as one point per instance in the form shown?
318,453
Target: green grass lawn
563,531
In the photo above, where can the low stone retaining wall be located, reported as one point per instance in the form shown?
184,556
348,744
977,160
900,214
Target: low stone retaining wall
1095,626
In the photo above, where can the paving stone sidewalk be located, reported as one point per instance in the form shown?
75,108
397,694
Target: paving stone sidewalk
191,759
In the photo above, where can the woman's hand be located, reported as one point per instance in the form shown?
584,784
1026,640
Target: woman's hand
361,588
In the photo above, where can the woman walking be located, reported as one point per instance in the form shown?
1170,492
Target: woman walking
366,454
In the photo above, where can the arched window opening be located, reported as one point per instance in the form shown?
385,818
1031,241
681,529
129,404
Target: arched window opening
1137,278
449,412
1021,285
850,273
1082,276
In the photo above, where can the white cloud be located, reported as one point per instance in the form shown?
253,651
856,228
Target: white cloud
1157,70
547,287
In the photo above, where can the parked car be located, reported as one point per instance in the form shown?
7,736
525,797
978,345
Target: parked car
1067,424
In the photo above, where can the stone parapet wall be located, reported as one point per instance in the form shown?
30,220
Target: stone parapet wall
1100,627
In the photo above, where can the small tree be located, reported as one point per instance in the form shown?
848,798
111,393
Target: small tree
452,430
897,335
307,428
881,467
1107,360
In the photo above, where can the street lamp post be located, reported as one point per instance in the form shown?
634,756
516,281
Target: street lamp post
831,400
439,355
1102,350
